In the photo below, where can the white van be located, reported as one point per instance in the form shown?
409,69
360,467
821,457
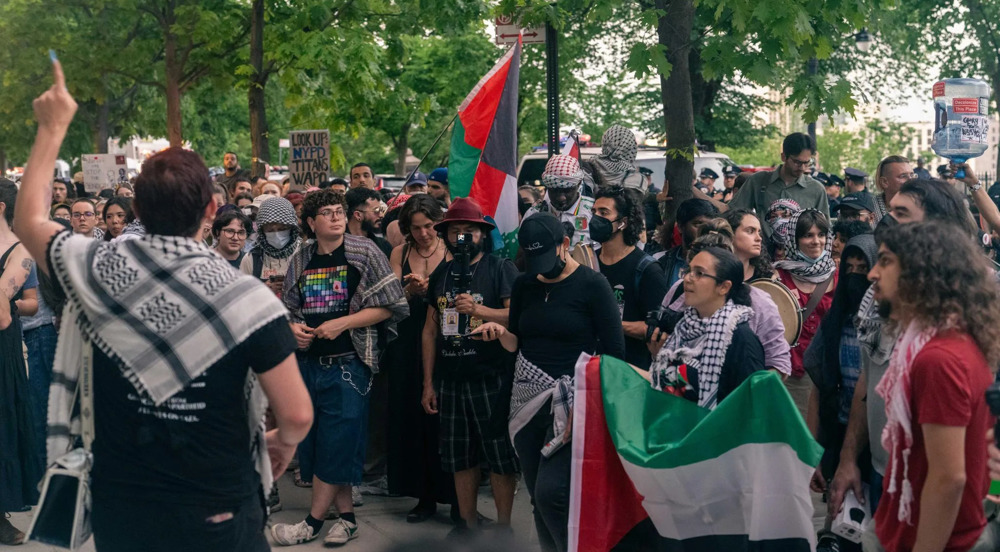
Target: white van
529,170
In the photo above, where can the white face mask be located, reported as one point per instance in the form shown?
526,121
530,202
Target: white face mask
278,239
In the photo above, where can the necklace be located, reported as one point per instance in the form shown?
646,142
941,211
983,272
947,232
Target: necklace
426,258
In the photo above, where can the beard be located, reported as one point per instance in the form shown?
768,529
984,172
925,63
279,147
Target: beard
884,309
368,227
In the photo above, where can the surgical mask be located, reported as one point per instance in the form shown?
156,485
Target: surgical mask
601,229
247,211
278,239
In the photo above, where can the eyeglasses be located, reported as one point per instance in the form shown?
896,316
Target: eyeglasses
377,210
331,214
87,214
698,274
799,164
230,233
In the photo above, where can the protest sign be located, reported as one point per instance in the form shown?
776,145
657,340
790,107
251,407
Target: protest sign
309,159
103,170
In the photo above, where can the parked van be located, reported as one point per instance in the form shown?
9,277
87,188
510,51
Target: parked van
529,170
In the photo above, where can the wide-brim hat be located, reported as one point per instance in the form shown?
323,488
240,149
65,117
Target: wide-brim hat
464,209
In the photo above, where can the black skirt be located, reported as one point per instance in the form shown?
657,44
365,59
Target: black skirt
21,467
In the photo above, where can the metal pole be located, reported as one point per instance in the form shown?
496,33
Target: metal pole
436,140
552,82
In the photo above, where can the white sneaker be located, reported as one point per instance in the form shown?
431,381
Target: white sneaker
378,487
356,496
341,532
287,534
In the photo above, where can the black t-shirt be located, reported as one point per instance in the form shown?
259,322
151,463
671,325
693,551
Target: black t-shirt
492,279
236,262
326,286
554,323
633,304
195,447
744,357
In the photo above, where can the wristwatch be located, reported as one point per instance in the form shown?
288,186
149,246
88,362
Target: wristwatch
975,187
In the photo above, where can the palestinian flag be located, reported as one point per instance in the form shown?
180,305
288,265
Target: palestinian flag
735,478
483,159
572,146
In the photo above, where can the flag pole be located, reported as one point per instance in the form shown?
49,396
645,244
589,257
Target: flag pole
436,140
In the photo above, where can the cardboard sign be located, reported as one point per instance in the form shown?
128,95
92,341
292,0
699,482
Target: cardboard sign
103,170
309,157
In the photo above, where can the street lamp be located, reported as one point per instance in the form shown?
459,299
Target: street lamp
863,41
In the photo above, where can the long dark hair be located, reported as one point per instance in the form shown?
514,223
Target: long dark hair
125,203
940,202
762,267
729,268
419,203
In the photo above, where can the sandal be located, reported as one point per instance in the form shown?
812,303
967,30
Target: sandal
299,482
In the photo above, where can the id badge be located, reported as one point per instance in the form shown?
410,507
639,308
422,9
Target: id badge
449,322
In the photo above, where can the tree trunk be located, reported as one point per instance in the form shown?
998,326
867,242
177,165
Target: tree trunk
996,94
102,128
173,88
674,33
402,144
259,146
3,163
703,94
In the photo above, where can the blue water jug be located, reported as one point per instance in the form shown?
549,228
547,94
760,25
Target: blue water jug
961,120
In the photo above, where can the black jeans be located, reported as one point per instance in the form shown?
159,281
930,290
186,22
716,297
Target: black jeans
136,525
547,480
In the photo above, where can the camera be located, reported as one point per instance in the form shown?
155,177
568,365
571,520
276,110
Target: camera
663,318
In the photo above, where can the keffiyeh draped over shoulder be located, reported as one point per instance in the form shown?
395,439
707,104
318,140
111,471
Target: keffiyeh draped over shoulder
701,343
798,263
163,309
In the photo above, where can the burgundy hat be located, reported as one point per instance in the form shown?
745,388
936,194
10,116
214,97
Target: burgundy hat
464,209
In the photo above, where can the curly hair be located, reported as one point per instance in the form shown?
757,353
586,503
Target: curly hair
762,267
627,208
940,201
420,203
945,281
315,201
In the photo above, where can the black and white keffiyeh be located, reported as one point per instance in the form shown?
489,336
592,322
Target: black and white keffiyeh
702,343
618,149
162,308
798,263
532,389
281,211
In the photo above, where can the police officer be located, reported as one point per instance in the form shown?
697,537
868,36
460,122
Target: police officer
855,180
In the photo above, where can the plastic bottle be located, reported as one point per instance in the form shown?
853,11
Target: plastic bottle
961,119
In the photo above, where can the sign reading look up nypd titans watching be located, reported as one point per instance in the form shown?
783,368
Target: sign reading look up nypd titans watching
309,157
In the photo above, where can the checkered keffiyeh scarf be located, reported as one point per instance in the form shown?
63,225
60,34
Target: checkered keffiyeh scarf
562,171
618,148
163,309
784,203
278,210
532,388
800,265
702,343
898,431
880,208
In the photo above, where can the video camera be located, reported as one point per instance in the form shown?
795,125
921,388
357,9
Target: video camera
663,318
461,280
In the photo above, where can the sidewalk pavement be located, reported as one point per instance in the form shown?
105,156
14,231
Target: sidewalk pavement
382,522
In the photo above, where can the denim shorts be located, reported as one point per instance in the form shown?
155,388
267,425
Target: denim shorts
334,450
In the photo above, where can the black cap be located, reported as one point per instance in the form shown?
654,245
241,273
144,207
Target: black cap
823,178
708,173
856,201
836,181
731,170
855,174
539,236
944,171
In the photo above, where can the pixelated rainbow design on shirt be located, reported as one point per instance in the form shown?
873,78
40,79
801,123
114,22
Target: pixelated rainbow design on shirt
324,290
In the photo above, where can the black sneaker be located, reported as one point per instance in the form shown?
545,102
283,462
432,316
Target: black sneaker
828,543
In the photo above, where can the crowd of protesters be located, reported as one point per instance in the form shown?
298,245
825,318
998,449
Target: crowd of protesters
381,343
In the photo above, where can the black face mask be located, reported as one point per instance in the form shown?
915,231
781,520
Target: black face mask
475,248
523,205
601,229
556,269
855,286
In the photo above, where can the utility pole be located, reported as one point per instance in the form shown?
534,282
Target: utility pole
552,85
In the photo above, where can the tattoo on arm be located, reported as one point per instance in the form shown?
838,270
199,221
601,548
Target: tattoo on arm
26,264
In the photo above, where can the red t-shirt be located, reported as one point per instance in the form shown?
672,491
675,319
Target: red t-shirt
947,387
810,325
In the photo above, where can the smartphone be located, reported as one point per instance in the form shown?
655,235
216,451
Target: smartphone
276,278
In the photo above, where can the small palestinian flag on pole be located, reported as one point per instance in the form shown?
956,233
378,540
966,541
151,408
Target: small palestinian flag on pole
572,145
733,478
483,161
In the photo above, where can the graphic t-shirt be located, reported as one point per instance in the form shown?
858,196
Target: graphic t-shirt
633,304
948,382
492,279
326,287
195,447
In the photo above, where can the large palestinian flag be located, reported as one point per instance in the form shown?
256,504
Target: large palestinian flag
735,478
483,159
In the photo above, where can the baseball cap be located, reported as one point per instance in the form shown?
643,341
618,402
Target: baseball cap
539,236
857,201
418,179
439,174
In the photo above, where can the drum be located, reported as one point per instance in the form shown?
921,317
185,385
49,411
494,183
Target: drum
585,255
788,307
